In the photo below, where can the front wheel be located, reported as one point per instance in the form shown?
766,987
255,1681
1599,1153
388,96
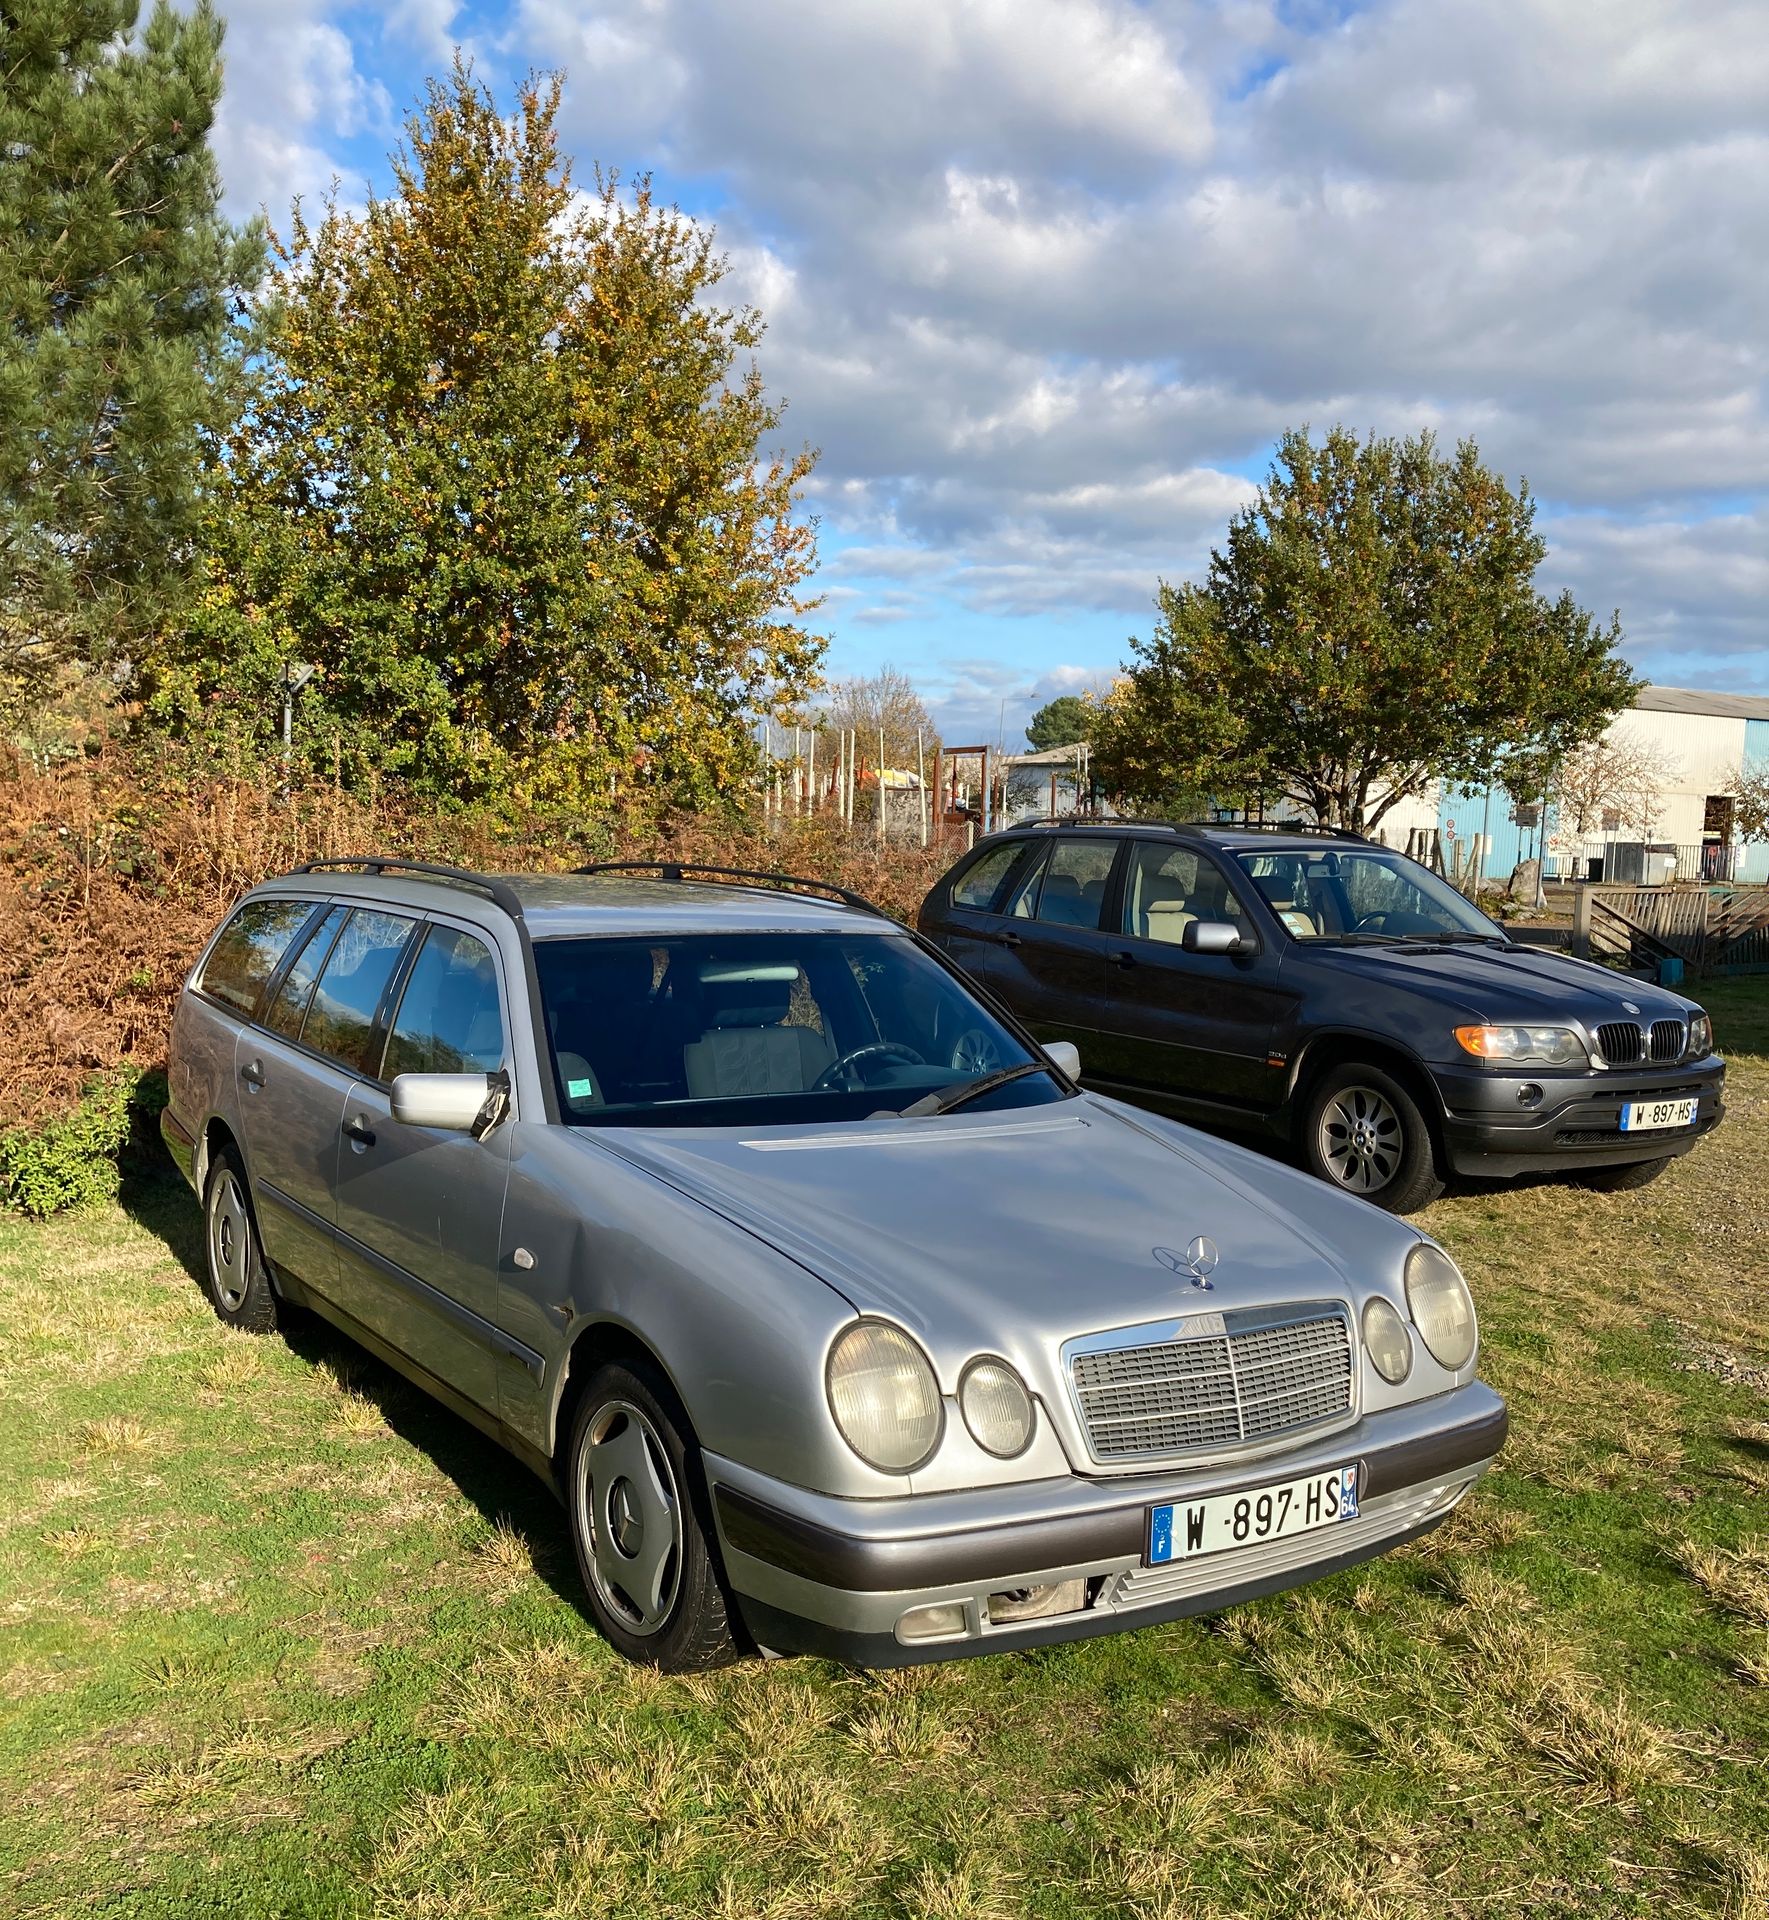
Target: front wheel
1637,1173
1364,1132
640,1527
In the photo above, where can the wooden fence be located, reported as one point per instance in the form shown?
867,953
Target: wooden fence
1710,929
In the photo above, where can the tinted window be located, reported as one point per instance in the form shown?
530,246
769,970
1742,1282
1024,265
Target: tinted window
1166,888
1073,889
341,1019
978,886
449,1020
249,949
286,1011
1367,891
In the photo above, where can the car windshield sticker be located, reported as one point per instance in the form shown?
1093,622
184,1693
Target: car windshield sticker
580,1089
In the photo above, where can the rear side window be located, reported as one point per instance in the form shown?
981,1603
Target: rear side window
249,949
288,1008
341,1018
449,1018
977,887
1072,892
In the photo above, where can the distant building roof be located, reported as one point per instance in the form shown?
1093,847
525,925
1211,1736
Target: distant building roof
1721,706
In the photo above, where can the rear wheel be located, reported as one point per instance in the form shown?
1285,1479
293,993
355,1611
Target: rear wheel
640,1525
1637,1173
1364,1132
238,1280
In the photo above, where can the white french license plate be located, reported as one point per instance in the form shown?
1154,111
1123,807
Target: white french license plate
1645,1116
1188,1528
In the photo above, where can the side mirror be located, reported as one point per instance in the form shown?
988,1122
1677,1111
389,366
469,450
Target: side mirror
1212,936
452,1100
1065,1056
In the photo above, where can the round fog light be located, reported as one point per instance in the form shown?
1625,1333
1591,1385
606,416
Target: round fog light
996,1407
1387,1341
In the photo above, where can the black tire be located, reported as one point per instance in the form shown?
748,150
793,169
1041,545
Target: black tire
1363,1133
1637,1173
657,1594
236,1278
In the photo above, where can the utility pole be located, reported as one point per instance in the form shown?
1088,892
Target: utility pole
296,675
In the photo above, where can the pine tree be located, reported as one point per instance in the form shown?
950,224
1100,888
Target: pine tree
501,484
119,285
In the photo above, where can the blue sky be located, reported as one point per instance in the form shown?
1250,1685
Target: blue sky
1044,278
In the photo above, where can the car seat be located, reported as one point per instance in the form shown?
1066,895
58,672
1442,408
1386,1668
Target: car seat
744,1049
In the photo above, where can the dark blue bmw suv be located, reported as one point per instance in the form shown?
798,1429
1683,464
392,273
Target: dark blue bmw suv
1315,985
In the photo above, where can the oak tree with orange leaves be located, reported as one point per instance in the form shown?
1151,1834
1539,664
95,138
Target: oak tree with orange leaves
502,481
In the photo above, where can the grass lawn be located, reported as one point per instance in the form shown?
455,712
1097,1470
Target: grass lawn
279,1637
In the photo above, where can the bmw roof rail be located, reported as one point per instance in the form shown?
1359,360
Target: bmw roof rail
499,892
1278,826
782,882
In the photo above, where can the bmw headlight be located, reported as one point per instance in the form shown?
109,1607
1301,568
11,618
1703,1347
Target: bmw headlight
1701,1036
1538,1046
1441,1306
884,1396
996,1407
1387,1341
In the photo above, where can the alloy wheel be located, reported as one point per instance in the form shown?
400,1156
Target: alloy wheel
1361,1139
230,1241
631,1509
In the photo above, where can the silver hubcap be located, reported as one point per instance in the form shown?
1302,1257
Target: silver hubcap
230,1243
1361,1139
975,1054
631,1512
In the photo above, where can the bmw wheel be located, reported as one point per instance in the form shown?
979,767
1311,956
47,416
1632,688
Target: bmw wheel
237,1277
1364,1133
640,1525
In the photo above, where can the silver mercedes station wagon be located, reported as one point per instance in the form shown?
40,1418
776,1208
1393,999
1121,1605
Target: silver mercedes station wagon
842,1320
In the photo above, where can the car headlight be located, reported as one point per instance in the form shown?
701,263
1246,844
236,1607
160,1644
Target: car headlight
996,1407
884,1396
1441,1306
1701,1035
1387,1341
1543,1046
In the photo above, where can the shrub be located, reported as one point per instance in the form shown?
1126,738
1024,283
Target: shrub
74,1160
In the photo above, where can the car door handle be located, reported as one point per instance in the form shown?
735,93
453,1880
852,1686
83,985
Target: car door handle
359,1133
253,1075
1007,939
1123,958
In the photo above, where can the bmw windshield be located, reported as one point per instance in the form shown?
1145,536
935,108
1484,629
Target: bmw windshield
759,1029
1363,894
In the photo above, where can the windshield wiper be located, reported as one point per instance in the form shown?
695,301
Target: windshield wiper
944,1099
1456,934
1355,940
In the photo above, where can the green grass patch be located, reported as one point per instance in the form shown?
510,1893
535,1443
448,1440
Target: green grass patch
280,1637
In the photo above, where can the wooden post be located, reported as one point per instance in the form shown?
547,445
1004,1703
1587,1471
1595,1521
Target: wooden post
811,776
1581,921
921,783
879,837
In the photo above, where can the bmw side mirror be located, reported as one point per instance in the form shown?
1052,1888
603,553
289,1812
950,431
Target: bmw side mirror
1065,1056
1213,936
455,1101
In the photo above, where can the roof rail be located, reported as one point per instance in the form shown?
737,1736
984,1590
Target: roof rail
680,869
499,892
1277,826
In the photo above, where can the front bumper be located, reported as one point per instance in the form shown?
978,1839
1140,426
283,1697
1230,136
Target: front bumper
1491,1128
814,1573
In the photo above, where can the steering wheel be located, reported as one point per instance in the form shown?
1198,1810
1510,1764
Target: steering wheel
825,1081
1371,922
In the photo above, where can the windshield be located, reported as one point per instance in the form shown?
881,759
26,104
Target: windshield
760,1029
1363,892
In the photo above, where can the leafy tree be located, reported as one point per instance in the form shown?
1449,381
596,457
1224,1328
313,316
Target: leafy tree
500,483
1750,803
119,284
1063,722
1618,776
1372,627
888,700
